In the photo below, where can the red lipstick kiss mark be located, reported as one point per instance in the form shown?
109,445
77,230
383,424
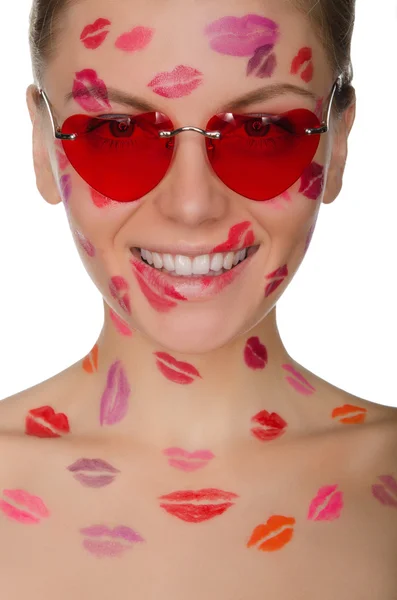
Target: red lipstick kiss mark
146,275
387,492
312,181
136,39
90,363
276,202
98,199
279,276
120,325
44,422
348,409
89,91
263,63
255,354
300,384
114,402
85,244
188,371
182,81
35,509
328,503
196,513
304,55
275,542
235,235
272,426
188,461
92,41
118,286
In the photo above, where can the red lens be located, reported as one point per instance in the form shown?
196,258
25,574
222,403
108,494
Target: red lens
122,159
260,157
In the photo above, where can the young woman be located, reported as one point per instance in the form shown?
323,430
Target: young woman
188,456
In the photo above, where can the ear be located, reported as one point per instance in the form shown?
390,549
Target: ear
42,142
339,154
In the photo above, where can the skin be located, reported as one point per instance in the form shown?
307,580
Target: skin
194,403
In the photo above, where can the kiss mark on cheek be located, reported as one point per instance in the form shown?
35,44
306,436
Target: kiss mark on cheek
327,505
98,199
66,188
279,276
271,426
180,82
188,461
309,237
102,541
299,383
95,34
181,505
30,511
90,362
386,493
312,181
93,472
304,56
136,39
44,422
277,524
118,288
174,370
279,203
235,236
350,414
120,325
114,402
85,244
255,354
91,101
319,110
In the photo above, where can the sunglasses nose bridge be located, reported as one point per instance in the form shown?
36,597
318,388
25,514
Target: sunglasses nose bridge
214,135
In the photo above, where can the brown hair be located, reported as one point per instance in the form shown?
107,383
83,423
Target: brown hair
333,20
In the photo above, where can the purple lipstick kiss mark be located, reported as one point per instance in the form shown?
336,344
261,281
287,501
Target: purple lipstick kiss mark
312,181
330,503
102,473
109,547
263,63
386,493
114,402
66,187
241,36
89,91
85,244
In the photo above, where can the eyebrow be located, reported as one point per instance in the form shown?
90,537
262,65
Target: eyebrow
260,95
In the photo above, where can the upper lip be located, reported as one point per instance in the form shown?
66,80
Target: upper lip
185,250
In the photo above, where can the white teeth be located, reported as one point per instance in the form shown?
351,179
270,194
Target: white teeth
157,260
169,262
201,265
217,262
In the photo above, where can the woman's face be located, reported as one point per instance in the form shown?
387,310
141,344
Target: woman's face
134,46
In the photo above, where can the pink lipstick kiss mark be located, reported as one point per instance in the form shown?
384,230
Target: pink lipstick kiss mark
235,235
279,276
241,36
180,82
120,325
114,402
350,414
272,426
99,200
387,492
263,63
300,384
255,354
85,244
93,472
66,188
277,203
90,92
95,34
184,375
62,160
136,39
312,181
35,509
146,275
304,55
118,286
113,547
188,461
327,505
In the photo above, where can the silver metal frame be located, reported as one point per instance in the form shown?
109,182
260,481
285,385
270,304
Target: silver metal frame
215,135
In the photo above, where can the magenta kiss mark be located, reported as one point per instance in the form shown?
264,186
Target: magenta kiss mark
136,39
182,81
85,244
66,187
279,276
241,36
312,181
90,92
300,384
387,492
102,541
95,34
176,371
263,63
271,426
119,289
31,508
188,461
255,354
120,325
327,505
114,402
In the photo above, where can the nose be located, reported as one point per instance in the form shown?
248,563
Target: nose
191,193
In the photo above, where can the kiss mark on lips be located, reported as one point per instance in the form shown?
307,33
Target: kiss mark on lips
272,526
350,414
120,325
112,547
235,235
312,181
118,285
241,36
90,363
136,39
279,276
44,422
272,426
300,384
196,513
114,402
188,461
91,102
34,507
255,354
88,37
105,473
327,505
304,56
182,81
387,492
184,375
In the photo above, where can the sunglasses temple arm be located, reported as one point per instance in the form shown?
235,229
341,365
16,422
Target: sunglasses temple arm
55,129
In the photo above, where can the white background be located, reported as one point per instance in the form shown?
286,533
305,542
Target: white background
338,316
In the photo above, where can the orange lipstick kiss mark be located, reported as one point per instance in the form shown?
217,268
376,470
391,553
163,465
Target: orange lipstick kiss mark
275,539
350,414
90,363
279,275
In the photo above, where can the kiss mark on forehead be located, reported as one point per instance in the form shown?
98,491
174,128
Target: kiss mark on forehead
241,36
136,39
89,91
180,82
95,34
